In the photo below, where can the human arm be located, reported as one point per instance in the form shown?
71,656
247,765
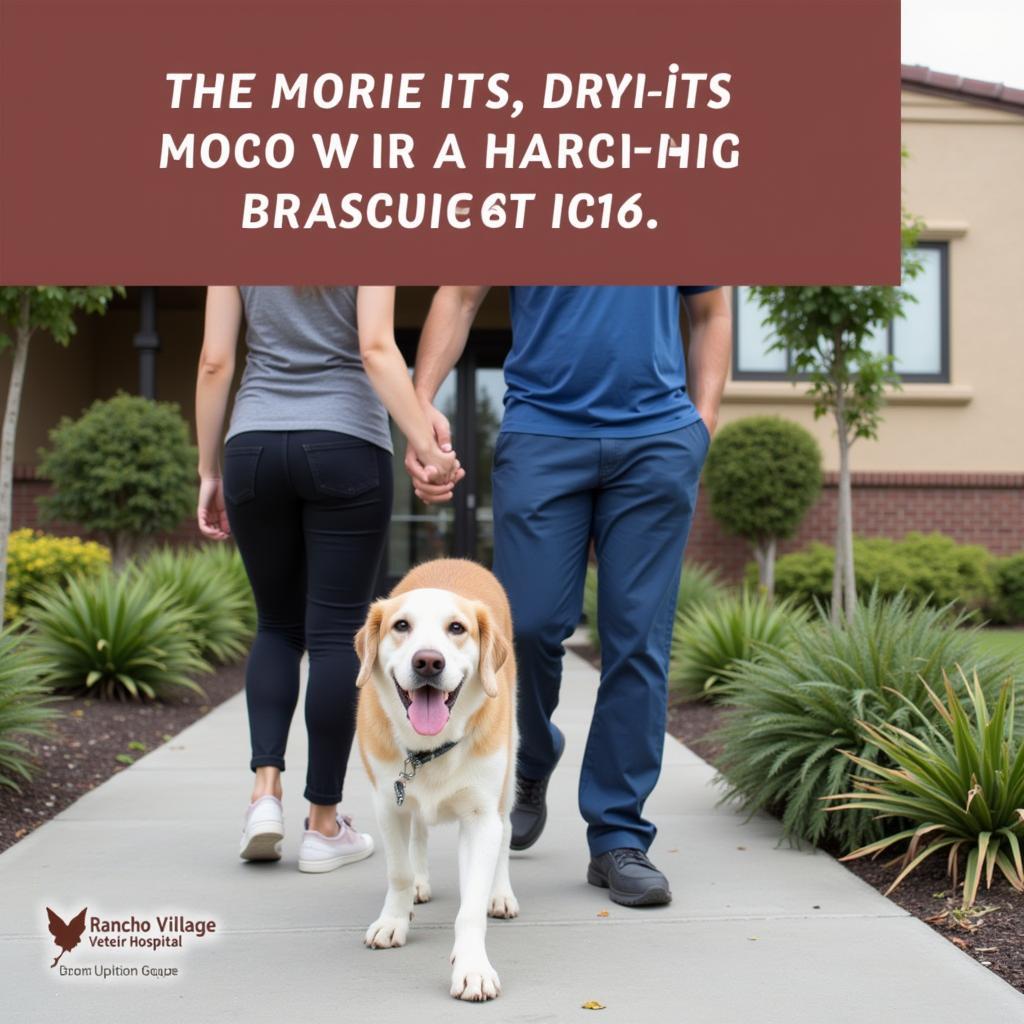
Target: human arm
442,342
709,352
384,365
213,386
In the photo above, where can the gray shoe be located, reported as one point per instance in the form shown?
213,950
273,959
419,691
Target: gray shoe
630,878
530,811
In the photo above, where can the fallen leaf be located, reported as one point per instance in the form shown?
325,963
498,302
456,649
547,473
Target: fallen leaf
592,1004
751,938
21,832
602,913
958,942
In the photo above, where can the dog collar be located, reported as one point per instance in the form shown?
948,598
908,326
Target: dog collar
414,760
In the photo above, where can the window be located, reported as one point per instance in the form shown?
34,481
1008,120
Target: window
919,341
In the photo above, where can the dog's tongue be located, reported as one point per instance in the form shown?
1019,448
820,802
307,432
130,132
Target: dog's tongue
428,712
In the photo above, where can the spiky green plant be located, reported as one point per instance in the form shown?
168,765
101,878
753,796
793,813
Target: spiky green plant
710,640
797,709
698,585
24,705
227,563
217,611
960,783
112,636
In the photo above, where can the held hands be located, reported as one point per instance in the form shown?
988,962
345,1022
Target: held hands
211,513
433,466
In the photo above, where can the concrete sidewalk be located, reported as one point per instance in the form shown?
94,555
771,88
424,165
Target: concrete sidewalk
757,932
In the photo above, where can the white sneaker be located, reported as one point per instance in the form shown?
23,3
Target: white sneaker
263,830
325,853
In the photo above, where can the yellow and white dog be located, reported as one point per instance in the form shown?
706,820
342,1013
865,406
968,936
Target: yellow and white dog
437,734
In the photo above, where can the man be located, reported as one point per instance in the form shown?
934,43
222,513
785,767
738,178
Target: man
603,440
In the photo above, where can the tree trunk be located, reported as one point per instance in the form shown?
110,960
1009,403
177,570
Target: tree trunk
844,533
764,554
7,438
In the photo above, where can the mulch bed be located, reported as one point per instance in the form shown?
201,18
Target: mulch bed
89,737
992,932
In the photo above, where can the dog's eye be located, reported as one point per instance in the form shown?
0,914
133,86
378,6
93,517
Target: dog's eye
401,626
457,628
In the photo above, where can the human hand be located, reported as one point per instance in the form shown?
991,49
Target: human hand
429,483
709,414
211,513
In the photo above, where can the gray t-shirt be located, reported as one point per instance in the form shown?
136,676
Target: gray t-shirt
304,370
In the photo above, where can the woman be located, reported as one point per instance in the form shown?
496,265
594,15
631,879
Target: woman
306,493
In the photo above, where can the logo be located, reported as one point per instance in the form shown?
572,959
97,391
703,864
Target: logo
140,944
66,936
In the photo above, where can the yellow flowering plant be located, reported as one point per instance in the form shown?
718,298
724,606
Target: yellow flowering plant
35,559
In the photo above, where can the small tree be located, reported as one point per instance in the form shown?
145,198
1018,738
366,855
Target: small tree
762,475
27,310
125,469
828,333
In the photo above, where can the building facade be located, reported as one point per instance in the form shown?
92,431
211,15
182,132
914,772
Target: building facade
950,455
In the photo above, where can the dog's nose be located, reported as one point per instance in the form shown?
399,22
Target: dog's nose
428,663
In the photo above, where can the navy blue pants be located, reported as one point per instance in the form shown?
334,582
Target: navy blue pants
635,499
309,510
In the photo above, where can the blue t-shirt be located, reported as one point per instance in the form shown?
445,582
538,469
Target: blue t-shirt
597,361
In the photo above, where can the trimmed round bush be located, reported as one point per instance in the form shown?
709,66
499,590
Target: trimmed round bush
711,640
797,710
218,613
926,567
762,475
35,559
125,469
698,585
112,636
24,705
1009,586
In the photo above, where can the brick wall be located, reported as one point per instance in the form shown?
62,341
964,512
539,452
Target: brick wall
28,487
983,508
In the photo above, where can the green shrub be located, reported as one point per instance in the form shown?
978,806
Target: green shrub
927,567
125,469
35,559
1008,604
960,784
697,585
762,475
24,705
218,613
114,637
797,709
710,640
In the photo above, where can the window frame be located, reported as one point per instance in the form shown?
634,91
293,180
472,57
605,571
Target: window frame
941,377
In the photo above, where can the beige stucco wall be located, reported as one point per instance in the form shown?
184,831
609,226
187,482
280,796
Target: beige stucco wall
965,177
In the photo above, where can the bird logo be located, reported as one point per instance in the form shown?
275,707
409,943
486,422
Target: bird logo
67,936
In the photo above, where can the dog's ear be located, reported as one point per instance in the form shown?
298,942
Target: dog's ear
367,642
494,649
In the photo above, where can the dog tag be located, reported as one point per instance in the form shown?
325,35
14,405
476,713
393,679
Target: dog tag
399,792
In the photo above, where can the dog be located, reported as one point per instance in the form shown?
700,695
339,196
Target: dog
437,733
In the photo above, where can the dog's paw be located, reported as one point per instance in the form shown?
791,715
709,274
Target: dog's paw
387,933
421,890
503,904
474,979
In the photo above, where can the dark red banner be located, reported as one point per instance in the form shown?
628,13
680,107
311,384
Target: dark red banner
643,142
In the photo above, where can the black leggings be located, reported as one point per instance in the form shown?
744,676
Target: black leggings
309,510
